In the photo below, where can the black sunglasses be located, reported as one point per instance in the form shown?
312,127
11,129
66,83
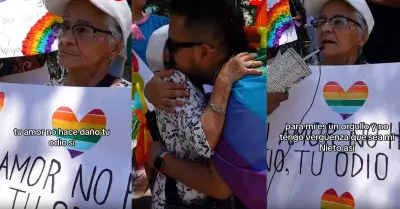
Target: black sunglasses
337,21
174,46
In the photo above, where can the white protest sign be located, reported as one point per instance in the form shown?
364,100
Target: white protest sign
349,174
65,147
17,19
280,26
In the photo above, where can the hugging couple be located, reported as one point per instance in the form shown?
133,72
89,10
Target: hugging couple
205,44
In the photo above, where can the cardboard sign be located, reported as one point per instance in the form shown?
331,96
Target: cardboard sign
347,130
18,18
65,147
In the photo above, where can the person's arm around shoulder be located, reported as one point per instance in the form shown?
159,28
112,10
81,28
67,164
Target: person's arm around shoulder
213,118
163,95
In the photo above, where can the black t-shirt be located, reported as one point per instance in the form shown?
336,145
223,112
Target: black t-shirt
383,45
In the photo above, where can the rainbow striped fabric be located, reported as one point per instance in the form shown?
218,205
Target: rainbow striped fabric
240,156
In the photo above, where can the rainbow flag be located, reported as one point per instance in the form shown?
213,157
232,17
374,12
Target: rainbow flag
240,156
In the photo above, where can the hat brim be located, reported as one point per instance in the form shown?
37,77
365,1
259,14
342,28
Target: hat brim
56,7
314,7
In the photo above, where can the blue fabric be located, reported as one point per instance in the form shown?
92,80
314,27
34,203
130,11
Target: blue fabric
245,131
153,23
250,91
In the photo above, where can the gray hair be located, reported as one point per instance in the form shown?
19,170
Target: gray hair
364,27
363,23
115,29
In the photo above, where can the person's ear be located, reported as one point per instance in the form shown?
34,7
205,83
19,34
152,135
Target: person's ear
117,47
362,39
204,53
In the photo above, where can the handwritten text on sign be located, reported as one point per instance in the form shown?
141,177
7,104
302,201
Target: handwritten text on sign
60,151
16,19
347,143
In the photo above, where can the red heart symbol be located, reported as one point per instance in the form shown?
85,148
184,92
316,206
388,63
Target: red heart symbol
2,98
331,200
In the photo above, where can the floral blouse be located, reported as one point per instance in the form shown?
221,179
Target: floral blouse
182,134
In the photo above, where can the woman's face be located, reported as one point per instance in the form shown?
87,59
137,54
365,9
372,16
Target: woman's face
341,34
79,46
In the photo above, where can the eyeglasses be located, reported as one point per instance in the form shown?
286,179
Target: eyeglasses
335,22
174,46
80,32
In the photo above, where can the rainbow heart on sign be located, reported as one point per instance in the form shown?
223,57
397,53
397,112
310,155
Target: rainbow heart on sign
64,119
2,97
330,200
345,103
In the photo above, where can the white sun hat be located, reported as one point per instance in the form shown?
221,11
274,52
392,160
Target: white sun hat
313,8
118,9
155,49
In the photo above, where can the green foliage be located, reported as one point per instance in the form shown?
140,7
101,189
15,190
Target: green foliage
161,8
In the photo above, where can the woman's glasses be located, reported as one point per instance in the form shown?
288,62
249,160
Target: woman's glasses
80,32
335,22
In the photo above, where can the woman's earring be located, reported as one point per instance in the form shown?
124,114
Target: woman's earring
110,58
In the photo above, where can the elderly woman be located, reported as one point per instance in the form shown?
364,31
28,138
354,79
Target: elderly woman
93,34
343,27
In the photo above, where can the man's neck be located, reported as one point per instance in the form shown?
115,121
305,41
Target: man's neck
138,15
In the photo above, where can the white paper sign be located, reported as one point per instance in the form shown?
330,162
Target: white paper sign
281,29
17,17
364,178
86,173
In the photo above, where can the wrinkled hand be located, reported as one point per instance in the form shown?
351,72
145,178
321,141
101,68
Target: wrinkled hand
274,101
239,66
155,150
163,94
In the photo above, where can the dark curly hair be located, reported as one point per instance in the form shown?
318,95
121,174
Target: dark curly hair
220,16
